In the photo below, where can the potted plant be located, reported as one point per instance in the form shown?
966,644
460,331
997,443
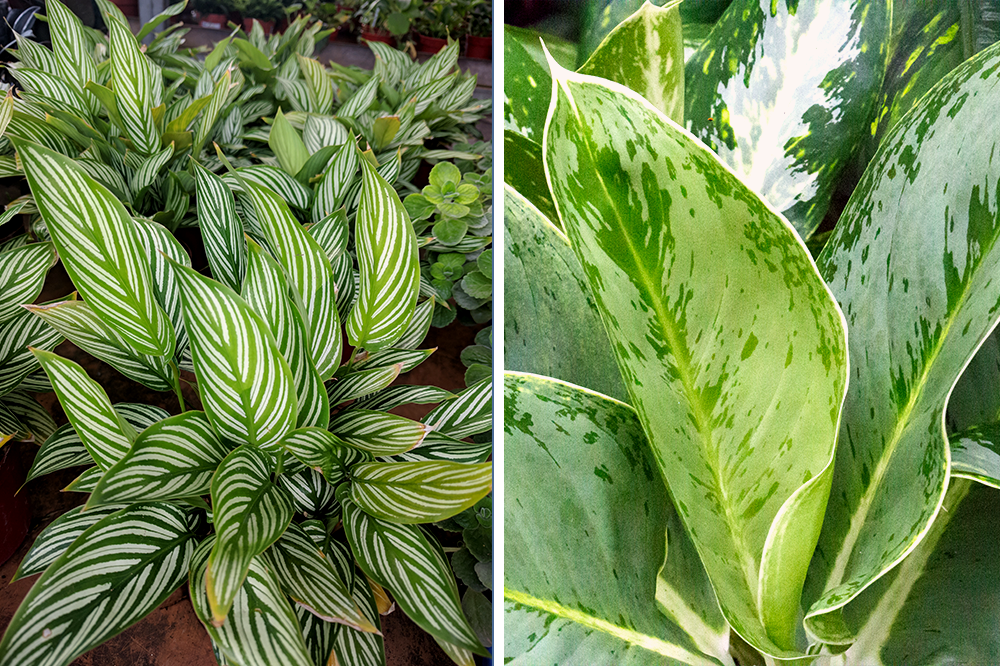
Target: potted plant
213,13
479,41
438,22
266,12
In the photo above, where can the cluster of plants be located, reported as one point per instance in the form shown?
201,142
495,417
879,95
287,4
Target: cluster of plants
442,19
750,308
289,498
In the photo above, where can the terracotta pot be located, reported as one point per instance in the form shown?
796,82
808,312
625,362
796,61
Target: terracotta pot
376,35
268,26
431,44
479,47
213,21
15,514
128,7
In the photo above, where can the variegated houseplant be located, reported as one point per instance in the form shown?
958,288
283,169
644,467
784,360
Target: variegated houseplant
815,438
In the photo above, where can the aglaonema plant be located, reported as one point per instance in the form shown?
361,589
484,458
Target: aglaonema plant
816,503
292,499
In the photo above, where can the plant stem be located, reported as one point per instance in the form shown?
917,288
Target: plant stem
177,386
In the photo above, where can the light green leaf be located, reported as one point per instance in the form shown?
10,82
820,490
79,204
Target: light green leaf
287,145
221,229
419,492
250,514
133,86
919,301
378,433
604,509
324,452
332,191
527,84
320,88
785,93
975,454
151,25
360,384
18,336
357,647
470,413
220,96
403,394
708,295
22,274
69,44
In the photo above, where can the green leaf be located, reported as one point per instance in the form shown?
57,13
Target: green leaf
384,130
313,582
378,433
293,192
324,452
604,509
220,96
548,308
250,514
131,73
477,285
645,52
527,84
419,326
59,535
470,413
785,94
975,454
320,87
444,448
359,384
18,337
245,385
912,331
150,26
261,629
70,46
449,231
404,560
130,561
332,191
250,54
221,229
332,233
364,649
394,396
287,145
172,459
99,248
419,492
724,310
387,263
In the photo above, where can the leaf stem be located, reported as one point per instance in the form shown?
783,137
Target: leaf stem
177,386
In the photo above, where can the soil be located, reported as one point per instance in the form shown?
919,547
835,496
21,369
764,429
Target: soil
172,635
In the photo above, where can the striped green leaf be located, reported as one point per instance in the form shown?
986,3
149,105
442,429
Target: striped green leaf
287,145
342,171
36,420
892,477
286,187
419,492
261,629
347,280
361,100
33,54
59,535
62,450
250,513
323,132
147,173
436,67
99,248
54,91
404,394
409,358
356,647
172,459
34,129
458,655
114,574
160,246
16,336
469,414
321,95
387,263
220,95
69,44
332,233
221,229
359,384
133,86
311,494
245,384
309,272
604,510
439,447
419,326
266,290
81,326
106,436
725,362
313,582
319,635
403,559
324,452
378,433
785,121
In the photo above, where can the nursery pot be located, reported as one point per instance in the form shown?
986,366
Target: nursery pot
479,47
15,515
268,26
213,21
370,34
430,44
128,7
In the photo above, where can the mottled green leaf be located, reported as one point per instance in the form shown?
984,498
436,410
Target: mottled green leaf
527,85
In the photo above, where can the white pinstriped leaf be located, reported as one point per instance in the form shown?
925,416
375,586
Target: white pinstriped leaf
332,233
441,447
342,171
460,94
34,129
81,326
324,452
86,482
387,171
16,360
323,131
313,582
62,450
69,44
388,266
266,291
246,387
309,272
33,54
320,88
417,330
98,247
390,64
458,655
378,433
221,229
106,175
360,100
22,274
427,94
347,281
470,414
58,535
220,94
311,494
319,635
292,191
403,394
10,425
358,384
402,559
146,174
172,459
159,244
419,492
113,575
250,513
356,648
37,421
410,358
130,72
87,407
55,91
261,629
436,67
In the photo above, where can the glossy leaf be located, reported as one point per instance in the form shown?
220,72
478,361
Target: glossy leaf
59,535
784,93
378,433
528,179
324,452
527,84
359,384
975,454
468,414
221,229
709,295
22,273
419,492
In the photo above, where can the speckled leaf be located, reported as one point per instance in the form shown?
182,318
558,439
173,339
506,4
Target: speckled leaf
645,52
975,454
527,85
913,263
526,173
710,296
550,318
784,91
609,508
